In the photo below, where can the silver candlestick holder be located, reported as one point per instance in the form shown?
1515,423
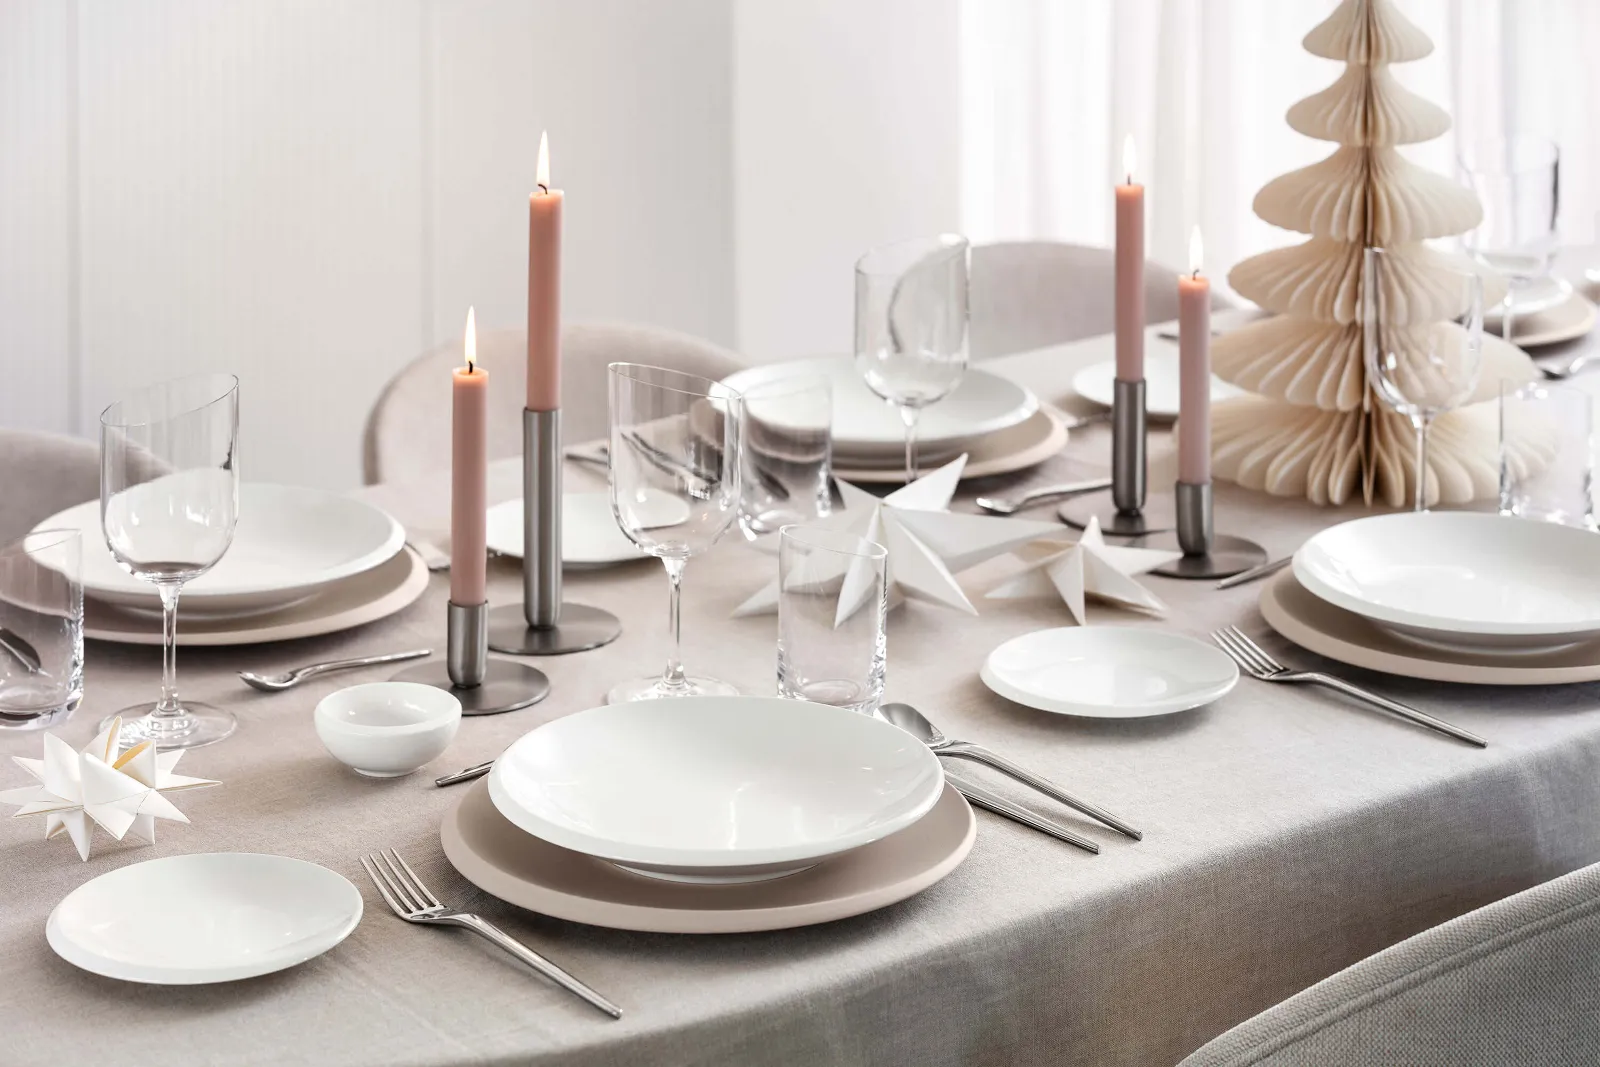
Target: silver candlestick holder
1130,515
484,686
545,625
1206,554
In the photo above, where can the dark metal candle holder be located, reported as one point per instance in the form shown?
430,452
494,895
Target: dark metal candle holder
1206,554
1129,515
484,686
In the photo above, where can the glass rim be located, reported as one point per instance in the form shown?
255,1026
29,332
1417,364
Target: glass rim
1468,157
57,535
813,536
716,390
1542,389
229,384
949,243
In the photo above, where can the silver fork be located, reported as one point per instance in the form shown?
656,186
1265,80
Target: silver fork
408,898
1257,664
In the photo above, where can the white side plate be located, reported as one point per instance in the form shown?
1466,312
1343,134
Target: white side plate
1094,382
590,536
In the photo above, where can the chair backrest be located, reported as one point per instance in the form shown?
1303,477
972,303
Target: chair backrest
1031,294
41,474
408,429
1515,983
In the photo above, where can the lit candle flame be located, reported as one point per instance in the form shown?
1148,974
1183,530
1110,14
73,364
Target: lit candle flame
1130,158
1195,252
542,175
471,343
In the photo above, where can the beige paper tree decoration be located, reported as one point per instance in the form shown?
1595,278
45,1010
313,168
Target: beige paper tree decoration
1314,427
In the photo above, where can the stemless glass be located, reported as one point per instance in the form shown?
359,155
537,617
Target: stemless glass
1518,182
675,441
41,629
788,450
1547,453
911,325
169,502
833,599
1422,348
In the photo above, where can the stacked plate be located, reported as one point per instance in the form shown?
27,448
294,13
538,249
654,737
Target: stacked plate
1449,596
710,815
996,422
302,562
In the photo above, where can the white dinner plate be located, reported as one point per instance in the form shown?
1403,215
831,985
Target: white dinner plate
1094,382
715,788
864,424
1571,319
590,536
289,542
1109,672
1530,298
1461,579
209,917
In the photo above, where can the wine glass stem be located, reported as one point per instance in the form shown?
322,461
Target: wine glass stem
908,415
169,708
1421,500
672,678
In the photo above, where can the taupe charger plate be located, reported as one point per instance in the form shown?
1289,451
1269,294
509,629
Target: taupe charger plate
531,873
1320,627
1027,444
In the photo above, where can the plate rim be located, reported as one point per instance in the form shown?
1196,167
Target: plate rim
304,949
1091,372
1049,444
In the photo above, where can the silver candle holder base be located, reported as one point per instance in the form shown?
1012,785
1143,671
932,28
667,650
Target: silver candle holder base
484,686
545,625
1129,514
1206,554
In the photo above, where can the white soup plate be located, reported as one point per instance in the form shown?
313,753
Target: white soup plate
209,917
1109,672
289,542
1094,382
1459,579
715,788
865,424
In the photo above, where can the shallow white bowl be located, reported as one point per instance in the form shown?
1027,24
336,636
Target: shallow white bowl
1109,672
1460,579
211,917
386,729
715,788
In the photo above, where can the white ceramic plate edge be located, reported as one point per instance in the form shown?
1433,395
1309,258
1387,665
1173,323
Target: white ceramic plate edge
1189,700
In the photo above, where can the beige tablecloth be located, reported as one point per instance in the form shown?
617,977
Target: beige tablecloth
1288,834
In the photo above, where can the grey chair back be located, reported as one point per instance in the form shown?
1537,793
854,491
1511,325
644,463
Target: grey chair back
41,474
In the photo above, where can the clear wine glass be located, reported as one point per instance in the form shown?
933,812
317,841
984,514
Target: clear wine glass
169,502
1423,340
675,487
1518,182
911,325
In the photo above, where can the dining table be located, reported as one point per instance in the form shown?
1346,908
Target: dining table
1287,834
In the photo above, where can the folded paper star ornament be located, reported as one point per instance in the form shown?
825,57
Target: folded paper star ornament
927,543
1090,568
95,785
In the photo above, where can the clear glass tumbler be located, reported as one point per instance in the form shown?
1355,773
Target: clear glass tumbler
1518,182
41,629
833,600
788,453
1547,454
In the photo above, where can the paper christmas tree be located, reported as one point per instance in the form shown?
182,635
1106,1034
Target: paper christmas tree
1314,427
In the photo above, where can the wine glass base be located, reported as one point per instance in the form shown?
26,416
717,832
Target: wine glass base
653,689
200,724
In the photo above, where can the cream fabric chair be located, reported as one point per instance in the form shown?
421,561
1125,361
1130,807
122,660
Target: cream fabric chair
408,430
1037,293
41,474
1515,983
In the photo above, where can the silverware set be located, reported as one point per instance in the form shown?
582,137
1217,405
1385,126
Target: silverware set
275,683
1254,661
1272,566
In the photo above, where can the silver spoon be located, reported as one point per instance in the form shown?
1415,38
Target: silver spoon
913,722
23,652
275,683
1008,505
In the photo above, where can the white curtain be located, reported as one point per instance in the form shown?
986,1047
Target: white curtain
1049,89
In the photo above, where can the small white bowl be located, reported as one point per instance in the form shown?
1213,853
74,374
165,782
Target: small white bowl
386,729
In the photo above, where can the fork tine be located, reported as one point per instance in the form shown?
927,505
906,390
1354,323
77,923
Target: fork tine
1263,653
1260,664
383,889
1225,642
398,884
414,882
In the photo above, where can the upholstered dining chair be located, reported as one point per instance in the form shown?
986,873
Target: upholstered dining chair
408,429
1515,983
1030,294
41,474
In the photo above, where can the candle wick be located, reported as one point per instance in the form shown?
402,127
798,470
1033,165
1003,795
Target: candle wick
470,368
544,190
1195,274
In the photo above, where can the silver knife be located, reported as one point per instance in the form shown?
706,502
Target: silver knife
1017,813
21,650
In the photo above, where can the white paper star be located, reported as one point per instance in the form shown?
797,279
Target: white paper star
119,793
1090,568
927,544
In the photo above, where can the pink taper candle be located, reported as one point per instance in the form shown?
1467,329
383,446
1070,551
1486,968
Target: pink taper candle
1194,371
544,289
1130,272
469,474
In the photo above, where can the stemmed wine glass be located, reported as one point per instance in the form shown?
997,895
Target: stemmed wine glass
169,502
675,489
1518,182
1423,340
911,325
